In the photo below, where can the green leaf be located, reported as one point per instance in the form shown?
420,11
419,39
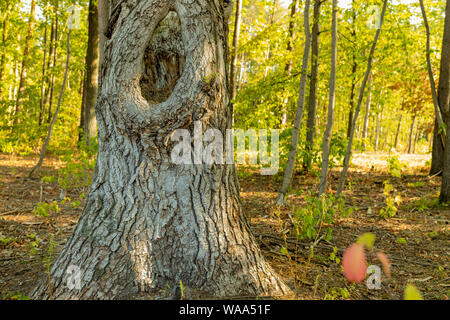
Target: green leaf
366,239
412,293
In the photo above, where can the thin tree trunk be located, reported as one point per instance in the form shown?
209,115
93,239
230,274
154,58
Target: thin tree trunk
291,39
300,107
51,64
44,62
234,56
437,108
331,103
83,106
354,69
377,131
437,153
4,46
25,60
312,107
92,64
366,118
397,134
411,132
55,115
150,224
358,106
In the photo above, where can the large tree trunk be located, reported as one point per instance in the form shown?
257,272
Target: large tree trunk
149,223
312,107
92,64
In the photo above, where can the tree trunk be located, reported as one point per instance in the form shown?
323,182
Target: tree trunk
312,107
148,223
51,64
25,59
377,131
44,62
4,46
444,103
292,33
348,155
287,178
234,56
354,69
92,60
331,103
437,154
411,132
397,133
366,120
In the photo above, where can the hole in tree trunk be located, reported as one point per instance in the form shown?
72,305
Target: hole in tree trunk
164,60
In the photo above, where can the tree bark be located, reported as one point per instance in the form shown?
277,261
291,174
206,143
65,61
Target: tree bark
25,60
300,107
312,107
397,133
149,223
44,70
366,120
437,154
444,103
4,46
331,103
92,65
411,132
51,64
234,56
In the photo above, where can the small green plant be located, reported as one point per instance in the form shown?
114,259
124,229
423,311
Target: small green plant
337,293
44,209
425,203
392,200
395,166
401,240
6,240
309,218
333,256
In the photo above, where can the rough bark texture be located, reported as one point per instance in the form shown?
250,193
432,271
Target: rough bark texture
148,223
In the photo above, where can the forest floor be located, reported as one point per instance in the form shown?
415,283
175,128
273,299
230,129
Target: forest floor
416,239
